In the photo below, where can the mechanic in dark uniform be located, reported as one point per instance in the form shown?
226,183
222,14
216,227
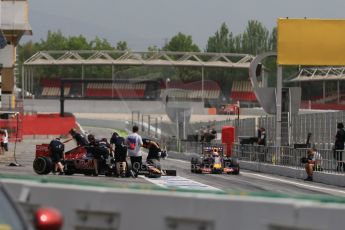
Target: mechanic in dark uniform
120,149
57,148
210,134
99,149
154,150
81,141
118,145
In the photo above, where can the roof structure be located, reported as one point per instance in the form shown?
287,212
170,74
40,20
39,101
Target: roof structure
131,58
320,74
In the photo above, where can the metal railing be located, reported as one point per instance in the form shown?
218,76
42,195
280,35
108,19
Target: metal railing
331,162
322,125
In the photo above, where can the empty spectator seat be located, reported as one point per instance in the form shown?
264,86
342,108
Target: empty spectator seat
51,87
193,90
116,90
242,91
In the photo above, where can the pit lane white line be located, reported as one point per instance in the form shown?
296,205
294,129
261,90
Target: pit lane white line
296,183
180,182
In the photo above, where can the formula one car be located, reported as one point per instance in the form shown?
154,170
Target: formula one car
80,160
213,161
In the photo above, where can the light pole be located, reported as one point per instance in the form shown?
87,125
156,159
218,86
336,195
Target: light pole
166,90
167,83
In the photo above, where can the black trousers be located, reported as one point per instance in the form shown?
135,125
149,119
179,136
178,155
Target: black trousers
136,163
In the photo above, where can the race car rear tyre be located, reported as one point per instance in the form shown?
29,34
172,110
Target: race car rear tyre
68,169
129,172
42,165
234,162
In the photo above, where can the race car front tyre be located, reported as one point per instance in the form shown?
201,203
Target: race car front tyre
237,171
192,164
196,165
42,165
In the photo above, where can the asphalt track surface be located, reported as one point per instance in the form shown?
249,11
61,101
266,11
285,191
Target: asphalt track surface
246,182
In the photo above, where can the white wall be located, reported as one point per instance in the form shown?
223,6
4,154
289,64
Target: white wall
111,208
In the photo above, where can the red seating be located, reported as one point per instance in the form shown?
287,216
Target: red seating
307,105
242,91
53,82
121,90
194,89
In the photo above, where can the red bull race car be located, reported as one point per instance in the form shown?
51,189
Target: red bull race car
213,161
79,160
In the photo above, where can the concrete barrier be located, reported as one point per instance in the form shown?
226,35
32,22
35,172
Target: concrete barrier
107,208
321,177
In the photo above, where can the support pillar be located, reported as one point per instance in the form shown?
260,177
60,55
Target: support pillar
279,105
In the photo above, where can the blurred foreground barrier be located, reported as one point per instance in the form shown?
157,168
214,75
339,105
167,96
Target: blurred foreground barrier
86,207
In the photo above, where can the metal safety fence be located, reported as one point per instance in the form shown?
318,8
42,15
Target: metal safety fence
322,126
331,161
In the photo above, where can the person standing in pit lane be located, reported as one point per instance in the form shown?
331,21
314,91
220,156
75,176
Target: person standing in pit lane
2,139
120,153
134,143
339,146
57,148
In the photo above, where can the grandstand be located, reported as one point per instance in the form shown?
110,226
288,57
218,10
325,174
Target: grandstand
242,91
116,90
134,89
119,89
51,88
321,87
192,90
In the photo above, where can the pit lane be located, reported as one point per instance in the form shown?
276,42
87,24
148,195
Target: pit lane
246,182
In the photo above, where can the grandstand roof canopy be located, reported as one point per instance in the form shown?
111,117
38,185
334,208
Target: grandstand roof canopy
320,74
157,58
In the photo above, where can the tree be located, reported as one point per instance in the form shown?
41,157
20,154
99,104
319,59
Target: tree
77,43
273,40
100,44
54,41
237,43
221,42
255,38
181,42
121,45
153,49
